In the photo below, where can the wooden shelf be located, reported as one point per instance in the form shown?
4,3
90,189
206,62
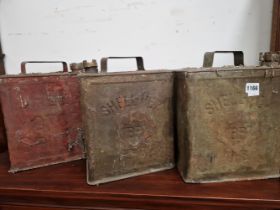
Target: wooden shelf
64,186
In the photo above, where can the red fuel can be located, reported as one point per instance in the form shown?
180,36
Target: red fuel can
42,118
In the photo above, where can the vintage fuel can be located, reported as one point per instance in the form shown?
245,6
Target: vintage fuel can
42,117
128,121
228,122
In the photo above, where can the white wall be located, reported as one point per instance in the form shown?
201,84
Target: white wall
167,33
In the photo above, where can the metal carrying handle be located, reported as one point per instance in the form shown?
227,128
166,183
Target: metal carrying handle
139,61
237,55
23,65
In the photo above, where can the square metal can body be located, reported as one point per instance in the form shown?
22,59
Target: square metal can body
128,121
224,132
42,118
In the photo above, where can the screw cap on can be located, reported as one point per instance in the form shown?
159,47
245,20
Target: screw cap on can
89,64
76,67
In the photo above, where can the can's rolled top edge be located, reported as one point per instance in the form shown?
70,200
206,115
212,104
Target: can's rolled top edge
124,73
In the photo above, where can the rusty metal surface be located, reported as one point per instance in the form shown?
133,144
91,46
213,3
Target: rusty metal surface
139,62
90,66
225,134
76,67
128,119
269,59
42,118
85,66
23,65
238,58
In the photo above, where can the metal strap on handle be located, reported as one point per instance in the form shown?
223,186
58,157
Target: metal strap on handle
139,61
23,65
209,58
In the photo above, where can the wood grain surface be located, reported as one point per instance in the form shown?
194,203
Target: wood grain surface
64,186
275,31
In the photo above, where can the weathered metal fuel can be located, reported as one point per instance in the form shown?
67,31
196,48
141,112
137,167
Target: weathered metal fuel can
228,122
42,117
128,121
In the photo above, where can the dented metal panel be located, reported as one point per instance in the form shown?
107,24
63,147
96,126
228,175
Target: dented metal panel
128,119
42,118
228,123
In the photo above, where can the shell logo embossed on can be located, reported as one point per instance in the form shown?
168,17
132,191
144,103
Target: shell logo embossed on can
228,122
128,119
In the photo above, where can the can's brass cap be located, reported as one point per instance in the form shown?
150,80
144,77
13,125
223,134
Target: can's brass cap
76,67
89,64
270,56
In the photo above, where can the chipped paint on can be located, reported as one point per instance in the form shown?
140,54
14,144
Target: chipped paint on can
43,120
